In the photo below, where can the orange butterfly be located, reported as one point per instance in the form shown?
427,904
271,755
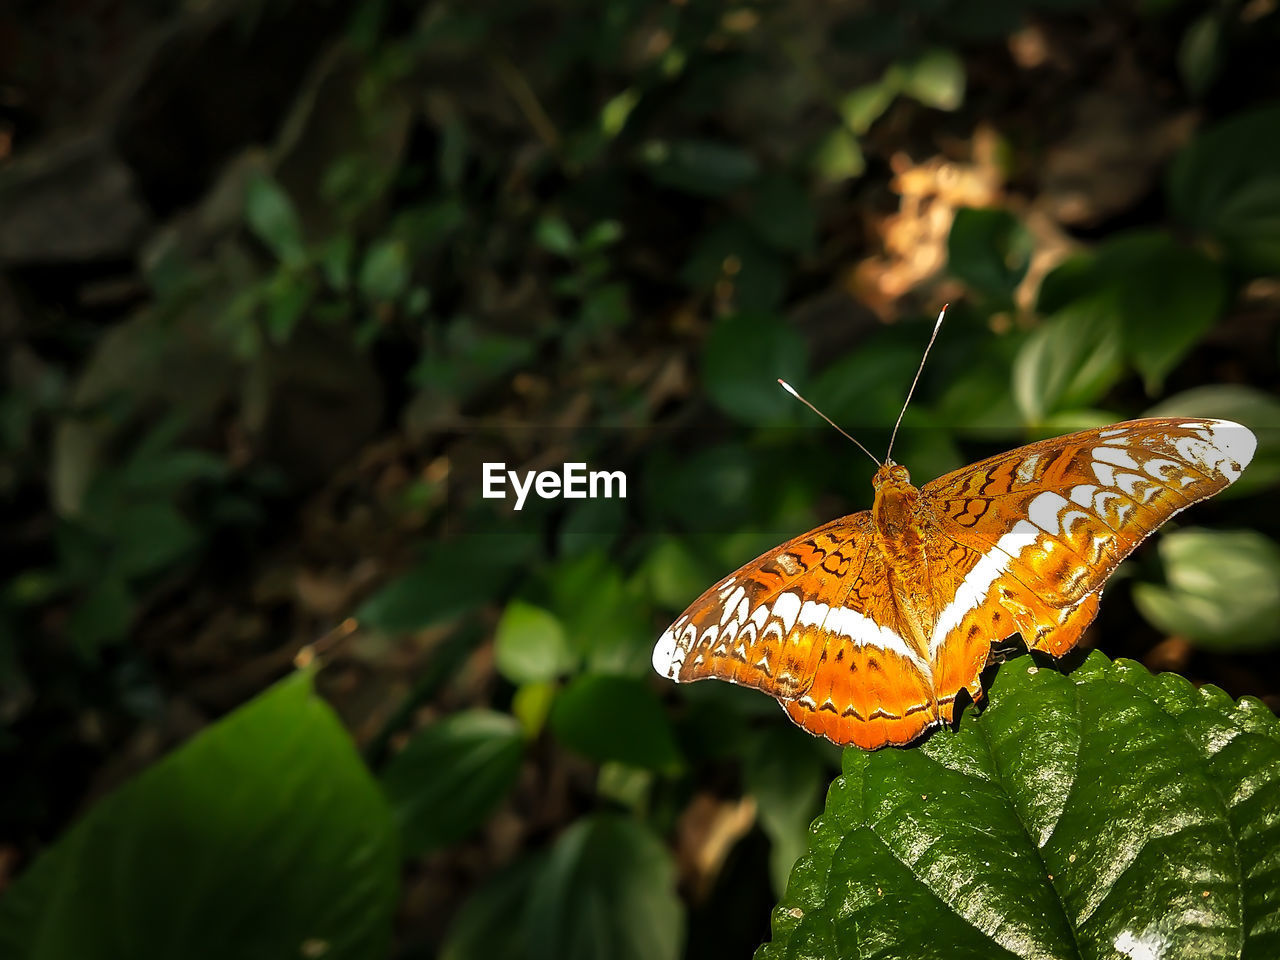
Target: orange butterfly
867,628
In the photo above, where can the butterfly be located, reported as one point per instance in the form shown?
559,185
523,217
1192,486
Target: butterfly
867,628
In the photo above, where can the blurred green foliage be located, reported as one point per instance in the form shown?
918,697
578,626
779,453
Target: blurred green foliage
441,217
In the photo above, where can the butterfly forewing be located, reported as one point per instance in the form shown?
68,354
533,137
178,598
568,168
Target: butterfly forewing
1052,520
864,641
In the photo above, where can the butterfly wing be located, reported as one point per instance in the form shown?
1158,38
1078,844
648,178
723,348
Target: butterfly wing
811,623
1037,531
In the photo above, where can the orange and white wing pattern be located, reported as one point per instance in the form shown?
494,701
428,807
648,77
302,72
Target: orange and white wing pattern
1041,528
812,624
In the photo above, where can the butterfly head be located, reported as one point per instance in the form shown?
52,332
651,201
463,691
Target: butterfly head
893,474
895,504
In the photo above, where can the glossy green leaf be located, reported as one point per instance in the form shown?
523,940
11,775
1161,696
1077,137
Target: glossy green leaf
745,355
451,777
1070,360
271,216
1226,184
607,890
1105,813
990,250
615,718
1222,589
1258,411
530,644
264,836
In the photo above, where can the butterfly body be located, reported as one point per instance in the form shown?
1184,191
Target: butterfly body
867,628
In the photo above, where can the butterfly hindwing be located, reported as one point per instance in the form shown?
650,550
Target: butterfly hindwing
797,623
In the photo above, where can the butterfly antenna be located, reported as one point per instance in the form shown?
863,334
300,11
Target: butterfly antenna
936,327
792,390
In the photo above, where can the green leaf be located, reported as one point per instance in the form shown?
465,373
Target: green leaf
384,274
531,705
601,235
451,777
1200,53
605,309
272,218
1258,411
607,890
990,250
864,105
711,489
150,537
614,114
615,718
1164,296
673,574
936,79
1222,589
783,215
838,157
425,227
489,926
593,524
1226,184
604,617
1106,813
745,355
102,615
530,645
786,775
470,358
704,167
729,253
264,836
1070,360
865,387
452,155
554,235
286,295
452,578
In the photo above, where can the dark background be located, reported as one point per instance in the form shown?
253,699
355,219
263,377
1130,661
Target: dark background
277,278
